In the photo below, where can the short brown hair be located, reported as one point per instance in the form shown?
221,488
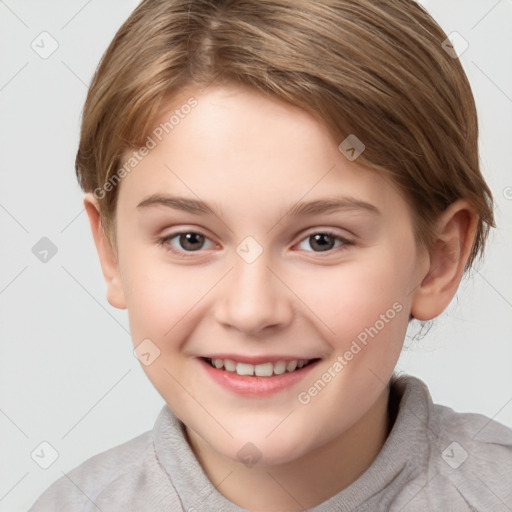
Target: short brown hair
373,68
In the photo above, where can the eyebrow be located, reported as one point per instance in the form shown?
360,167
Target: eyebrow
316,207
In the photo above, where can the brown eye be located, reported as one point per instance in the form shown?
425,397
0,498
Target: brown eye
191,241
184,242
323,242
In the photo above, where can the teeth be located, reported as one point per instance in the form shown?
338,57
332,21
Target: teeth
229,365
260,370
279,367
244,369
291,365
263,370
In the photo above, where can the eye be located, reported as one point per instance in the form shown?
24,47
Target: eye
189,241
325,241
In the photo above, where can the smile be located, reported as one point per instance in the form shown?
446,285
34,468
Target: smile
260,370
264,378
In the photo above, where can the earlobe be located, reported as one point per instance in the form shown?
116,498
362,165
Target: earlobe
448,256
108,260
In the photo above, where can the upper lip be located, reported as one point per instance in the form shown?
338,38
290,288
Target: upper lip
254,360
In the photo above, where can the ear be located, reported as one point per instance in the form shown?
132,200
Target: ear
108,260
456,231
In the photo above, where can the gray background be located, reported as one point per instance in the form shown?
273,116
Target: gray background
67,373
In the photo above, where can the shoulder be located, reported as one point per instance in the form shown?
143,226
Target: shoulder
469,457
474,453
125,475
471,440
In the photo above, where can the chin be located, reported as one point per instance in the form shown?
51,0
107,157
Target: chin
263,452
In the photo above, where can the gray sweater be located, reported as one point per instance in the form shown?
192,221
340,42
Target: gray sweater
434,459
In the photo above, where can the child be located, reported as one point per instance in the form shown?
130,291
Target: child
324,158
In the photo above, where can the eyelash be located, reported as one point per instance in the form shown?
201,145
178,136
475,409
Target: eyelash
164,242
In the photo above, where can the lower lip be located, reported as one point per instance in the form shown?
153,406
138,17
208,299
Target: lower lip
253,385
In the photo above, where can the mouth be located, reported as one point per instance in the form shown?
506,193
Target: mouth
265,369
257,377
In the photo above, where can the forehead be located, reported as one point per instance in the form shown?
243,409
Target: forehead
237,148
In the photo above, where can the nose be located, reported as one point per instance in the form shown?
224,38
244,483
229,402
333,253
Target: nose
253,299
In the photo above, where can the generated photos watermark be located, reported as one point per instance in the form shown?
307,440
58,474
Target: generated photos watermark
151,142
357,345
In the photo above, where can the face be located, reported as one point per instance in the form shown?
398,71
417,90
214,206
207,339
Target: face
247,240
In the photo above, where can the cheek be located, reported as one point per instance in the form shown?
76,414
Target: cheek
162,296
360,300
164,306
366,308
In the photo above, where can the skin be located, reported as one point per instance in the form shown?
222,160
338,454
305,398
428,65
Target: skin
253,158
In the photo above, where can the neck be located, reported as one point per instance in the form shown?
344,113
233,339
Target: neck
304,482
